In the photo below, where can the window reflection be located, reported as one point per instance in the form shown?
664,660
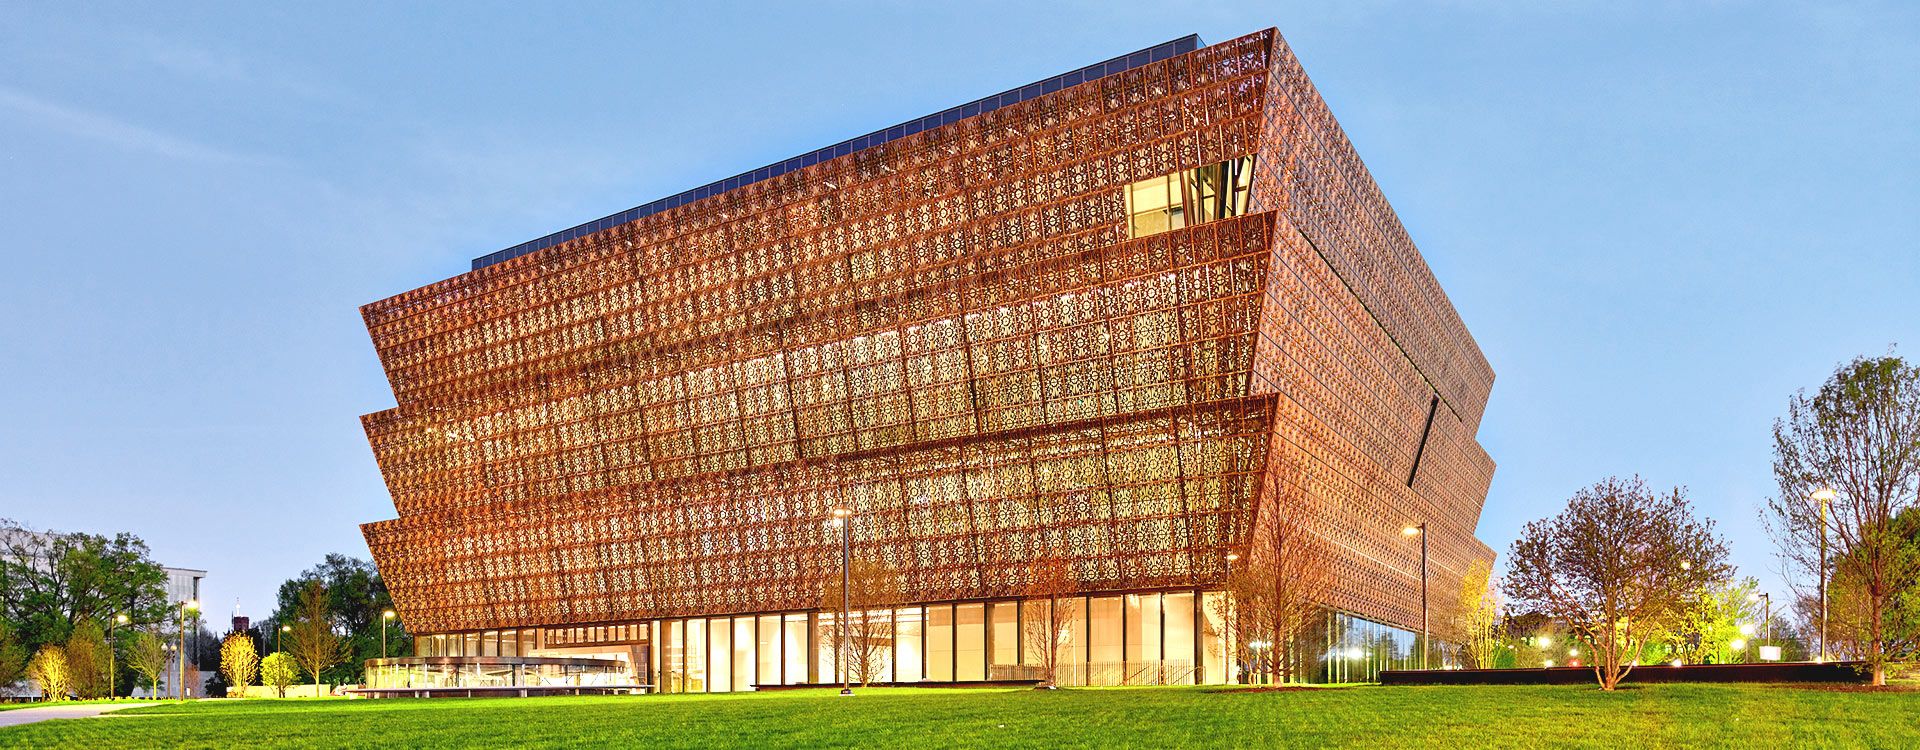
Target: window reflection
1188,197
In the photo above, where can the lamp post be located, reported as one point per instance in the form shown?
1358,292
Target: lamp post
384,617
1825,496
113,668
186,606
841,518
1420,529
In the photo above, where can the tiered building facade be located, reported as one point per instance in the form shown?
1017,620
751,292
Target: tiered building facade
1111,317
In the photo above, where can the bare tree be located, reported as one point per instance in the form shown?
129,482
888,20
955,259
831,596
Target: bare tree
865,634
147,655
1859,438
1619,565
314,644
1276,590
1050,608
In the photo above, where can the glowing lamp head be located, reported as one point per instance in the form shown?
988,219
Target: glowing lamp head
387,615
1738,644
1824,494
1675,663
1233,557
1544,642
1573,652
286,628
841,512
191,604
120,618
1410,530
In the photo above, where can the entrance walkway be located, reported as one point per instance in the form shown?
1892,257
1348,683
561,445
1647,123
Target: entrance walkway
20,716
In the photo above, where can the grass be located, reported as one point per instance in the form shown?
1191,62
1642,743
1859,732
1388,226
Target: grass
18,706
1650,716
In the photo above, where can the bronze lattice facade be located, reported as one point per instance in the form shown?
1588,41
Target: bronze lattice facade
1111,317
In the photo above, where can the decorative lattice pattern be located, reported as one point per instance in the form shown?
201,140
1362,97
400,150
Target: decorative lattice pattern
952,334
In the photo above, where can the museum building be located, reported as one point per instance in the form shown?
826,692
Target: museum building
1108,321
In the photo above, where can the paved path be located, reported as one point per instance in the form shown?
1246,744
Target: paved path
20,716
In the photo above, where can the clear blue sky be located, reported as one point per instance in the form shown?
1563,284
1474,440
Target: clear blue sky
1659,220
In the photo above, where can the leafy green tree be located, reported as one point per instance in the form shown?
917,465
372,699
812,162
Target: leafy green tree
1858,441
1713,622
313,643
13,656
87,660
279,670
356,599
50,582
1477,619
147,655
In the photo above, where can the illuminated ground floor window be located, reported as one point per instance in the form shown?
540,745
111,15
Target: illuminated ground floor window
1146,638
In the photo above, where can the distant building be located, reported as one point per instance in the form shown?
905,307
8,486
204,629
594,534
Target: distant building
1114,316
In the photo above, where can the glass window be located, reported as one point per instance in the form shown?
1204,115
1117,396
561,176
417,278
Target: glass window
1103,641
970,642
1192,196
1143,639
1177,641
824,637
1214,641
793,669
719,656
696,650
509,643
1073,654
907,638
742,653
674,655
940,643
767,643
1005,626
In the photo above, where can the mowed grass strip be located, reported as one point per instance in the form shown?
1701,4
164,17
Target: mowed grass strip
1493,716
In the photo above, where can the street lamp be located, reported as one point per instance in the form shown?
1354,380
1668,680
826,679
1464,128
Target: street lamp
276,636
1766,619
384,617
186,606
1420,530
1825,496
842,516
113,669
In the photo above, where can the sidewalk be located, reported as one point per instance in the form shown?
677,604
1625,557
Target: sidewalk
20,716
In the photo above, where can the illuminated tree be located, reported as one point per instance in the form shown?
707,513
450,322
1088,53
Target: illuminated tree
1712,622
239,662
314,644
1858,439
279,670
1618,566
1276,590
868,634
1476,617
147,655
49,671
1050,608
87,660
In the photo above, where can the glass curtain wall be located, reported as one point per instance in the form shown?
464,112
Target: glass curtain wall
1151,638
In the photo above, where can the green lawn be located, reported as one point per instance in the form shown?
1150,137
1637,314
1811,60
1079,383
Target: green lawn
1641,717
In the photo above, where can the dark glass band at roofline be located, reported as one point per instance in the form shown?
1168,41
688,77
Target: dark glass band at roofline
1009,97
